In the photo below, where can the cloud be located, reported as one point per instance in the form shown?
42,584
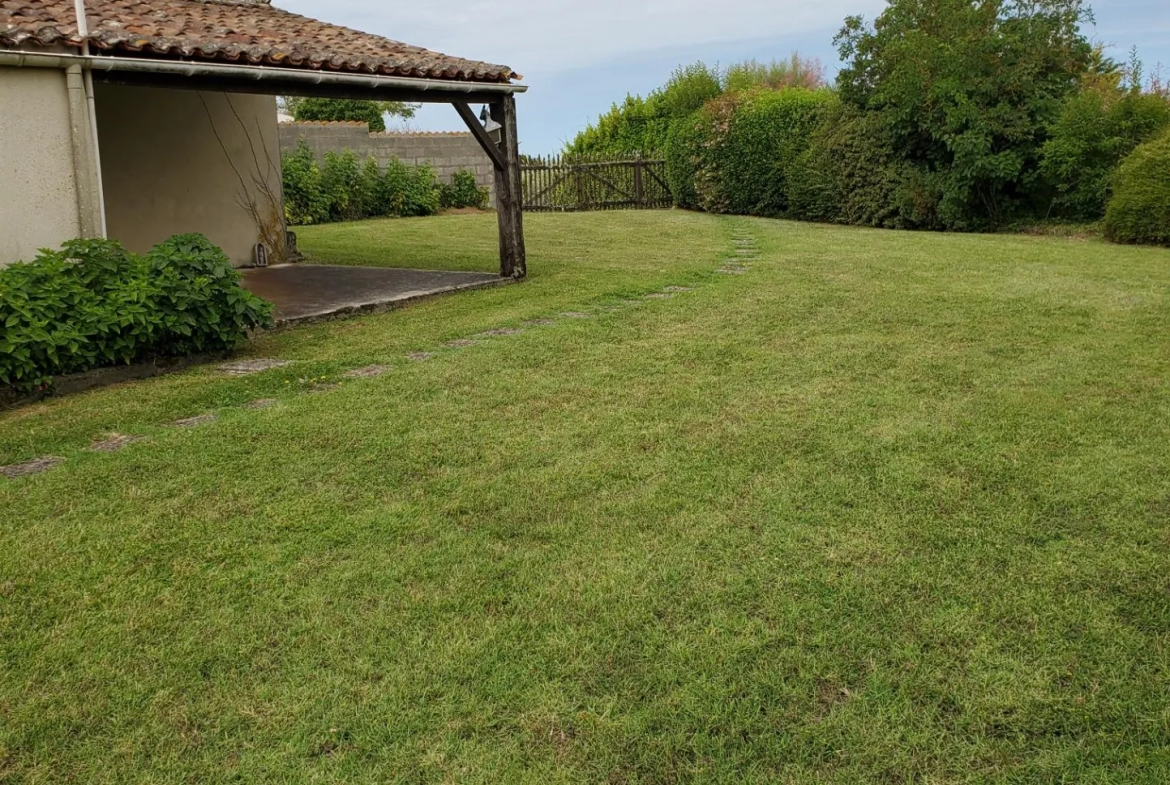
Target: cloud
535,36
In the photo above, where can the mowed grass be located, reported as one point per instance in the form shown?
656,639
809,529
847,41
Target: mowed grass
889,508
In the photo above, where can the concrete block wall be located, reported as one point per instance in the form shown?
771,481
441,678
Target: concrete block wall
447,153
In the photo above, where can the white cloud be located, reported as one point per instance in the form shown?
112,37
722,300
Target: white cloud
535,36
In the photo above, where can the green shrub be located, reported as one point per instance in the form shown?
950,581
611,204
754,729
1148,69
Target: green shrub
1139,211
345,186
410,190
305,201
93,304
346,190
1095,131
463,191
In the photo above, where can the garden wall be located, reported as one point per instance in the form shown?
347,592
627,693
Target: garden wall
447,153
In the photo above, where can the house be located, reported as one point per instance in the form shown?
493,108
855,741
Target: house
140,119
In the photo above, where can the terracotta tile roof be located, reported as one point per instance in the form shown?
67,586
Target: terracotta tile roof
237,31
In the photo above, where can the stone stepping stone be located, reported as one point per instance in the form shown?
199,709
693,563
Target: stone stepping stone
679,289
263,403
732,271
249,367
35,466
460,343
419,357
540,322
500,332
195,422
659,296
368,372
114,442
577,315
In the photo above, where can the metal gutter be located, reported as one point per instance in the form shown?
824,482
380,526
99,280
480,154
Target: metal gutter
258,73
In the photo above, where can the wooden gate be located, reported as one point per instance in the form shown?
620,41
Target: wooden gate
582,183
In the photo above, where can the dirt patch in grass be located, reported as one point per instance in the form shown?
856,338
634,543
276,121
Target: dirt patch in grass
35,466
114,442
195,422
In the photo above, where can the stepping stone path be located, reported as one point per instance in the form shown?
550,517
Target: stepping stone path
249,367
659,296
460,343
114,442
419,357
678,289
263,403
500,332
195,422
577,315
35,466
369,372
745,250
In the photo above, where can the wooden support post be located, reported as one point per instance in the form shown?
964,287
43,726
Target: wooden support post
510,192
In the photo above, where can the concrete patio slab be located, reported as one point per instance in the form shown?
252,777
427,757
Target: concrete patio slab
316,291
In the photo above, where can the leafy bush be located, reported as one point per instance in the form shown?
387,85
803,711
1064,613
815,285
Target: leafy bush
1139,211
93,304
410,190
345,185
1095,131
305,200
463,191
796,71
345,189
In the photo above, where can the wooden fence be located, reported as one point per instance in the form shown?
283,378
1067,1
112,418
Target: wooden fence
580,183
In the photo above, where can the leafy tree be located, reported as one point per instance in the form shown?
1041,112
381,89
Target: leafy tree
1095,131
348,110
966,89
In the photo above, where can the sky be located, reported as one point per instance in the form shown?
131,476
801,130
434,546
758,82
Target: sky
579,58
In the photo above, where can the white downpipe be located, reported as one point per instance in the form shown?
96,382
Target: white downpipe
87,74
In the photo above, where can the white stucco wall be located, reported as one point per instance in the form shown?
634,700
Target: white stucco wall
38,195
165,172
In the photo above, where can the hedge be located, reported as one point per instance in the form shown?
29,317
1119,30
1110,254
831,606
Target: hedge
1139,211
94,304
735,155
344,189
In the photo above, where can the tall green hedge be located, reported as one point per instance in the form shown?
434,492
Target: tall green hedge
1139,211
736,154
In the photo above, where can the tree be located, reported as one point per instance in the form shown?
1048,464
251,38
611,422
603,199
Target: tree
966,90
347,109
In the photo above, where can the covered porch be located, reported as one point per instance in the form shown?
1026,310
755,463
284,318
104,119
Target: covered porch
172,129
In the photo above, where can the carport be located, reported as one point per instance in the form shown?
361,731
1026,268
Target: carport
164,115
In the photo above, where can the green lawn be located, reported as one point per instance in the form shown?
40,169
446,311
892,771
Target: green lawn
889,508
